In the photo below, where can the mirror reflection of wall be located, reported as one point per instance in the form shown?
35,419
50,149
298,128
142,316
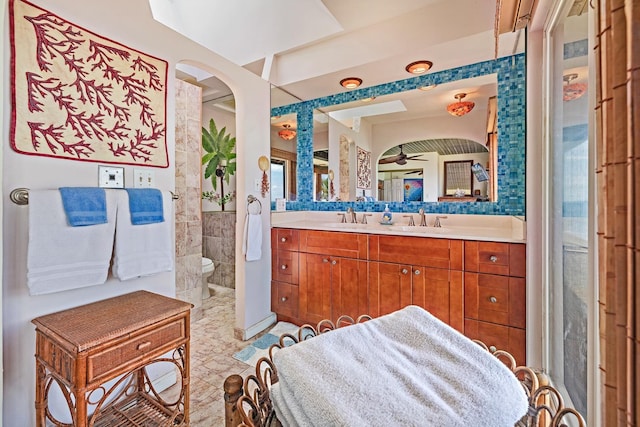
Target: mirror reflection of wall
389,119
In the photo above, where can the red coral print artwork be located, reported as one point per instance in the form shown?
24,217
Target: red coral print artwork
79,96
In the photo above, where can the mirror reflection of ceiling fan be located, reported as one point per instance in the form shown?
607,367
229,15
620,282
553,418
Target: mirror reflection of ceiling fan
400,159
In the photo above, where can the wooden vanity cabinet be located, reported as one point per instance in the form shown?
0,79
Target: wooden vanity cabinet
333,275
420,271
495,295
477,287
285,273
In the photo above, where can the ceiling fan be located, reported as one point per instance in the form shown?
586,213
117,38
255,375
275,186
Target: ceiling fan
400,159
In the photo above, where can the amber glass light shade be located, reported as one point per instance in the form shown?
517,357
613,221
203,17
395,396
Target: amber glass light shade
461,107
351,82
287,133
419,67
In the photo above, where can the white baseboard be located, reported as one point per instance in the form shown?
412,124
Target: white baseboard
165,381
245,334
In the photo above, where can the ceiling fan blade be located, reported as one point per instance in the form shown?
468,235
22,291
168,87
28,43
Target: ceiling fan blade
391,159
416,158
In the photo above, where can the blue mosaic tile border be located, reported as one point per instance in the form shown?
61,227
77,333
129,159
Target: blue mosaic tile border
511,72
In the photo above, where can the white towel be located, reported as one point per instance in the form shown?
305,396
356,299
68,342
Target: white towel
142,250
252,240
61,257
407,368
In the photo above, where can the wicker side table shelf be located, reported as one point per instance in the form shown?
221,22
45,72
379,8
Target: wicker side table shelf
81,349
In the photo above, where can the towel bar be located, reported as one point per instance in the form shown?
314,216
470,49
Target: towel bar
20,196
250,199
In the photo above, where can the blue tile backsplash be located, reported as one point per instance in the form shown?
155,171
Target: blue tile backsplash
511,75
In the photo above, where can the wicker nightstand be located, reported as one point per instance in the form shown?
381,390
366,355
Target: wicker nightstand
80,349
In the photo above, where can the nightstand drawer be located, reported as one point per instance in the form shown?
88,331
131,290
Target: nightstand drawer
114,357
497,299
284,266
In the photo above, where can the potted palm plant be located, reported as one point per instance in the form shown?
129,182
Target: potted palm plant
220,161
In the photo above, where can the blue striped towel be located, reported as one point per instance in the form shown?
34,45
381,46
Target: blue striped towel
145,205
84,205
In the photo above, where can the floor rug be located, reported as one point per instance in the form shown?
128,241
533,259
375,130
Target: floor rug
260,347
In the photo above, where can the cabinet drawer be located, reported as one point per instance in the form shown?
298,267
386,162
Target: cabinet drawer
284,267
497,299
284,299
105,362
500,337
284,239
348,245
507,259
425,251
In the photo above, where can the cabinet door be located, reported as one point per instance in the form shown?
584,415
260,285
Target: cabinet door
314,294
389,287
440,293
349,287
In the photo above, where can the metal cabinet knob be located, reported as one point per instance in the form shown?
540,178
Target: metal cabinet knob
493,299
404,271
416,272
283,266
325,260
284,239
493,258
333,262
492,348
283,299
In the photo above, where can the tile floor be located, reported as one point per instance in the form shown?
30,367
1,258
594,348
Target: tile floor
212,347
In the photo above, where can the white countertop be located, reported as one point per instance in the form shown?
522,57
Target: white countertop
496,228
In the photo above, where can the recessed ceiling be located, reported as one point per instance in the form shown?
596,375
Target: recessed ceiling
314,44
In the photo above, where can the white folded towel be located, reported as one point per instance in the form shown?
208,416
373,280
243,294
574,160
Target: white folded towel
142,250
252,240
62,257
407,368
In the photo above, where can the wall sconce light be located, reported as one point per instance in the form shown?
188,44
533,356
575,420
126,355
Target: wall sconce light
351,82
419,67
287,133
263,164
332,191
461,107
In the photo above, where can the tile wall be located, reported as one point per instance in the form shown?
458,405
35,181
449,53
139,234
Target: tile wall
218,244
188,187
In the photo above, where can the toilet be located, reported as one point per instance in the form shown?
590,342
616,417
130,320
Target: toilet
207,271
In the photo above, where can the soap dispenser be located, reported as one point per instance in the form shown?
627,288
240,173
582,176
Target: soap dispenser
386,215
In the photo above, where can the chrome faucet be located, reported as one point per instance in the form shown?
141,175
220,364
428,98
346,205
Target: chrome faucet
344,218
423,219
351,212
411,223
364,218
437,221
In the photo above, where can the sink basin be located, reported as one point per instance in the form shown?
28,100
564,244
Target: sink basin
418,229
345,225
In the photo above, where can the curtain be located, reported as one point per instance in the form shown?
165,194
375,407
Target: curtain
618,180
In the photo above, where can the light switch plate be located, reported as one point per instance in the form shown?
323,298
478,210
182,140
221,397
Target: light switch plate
144,178
110,177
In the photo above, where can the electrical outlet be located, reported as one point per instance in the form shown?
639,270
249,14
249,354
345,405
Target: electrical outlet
143,178
110,177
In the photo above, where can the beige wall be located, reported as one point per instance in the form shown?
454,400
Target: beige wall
130,23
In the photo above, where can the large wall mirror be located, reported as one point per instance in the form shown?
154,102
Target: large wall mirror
390,143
